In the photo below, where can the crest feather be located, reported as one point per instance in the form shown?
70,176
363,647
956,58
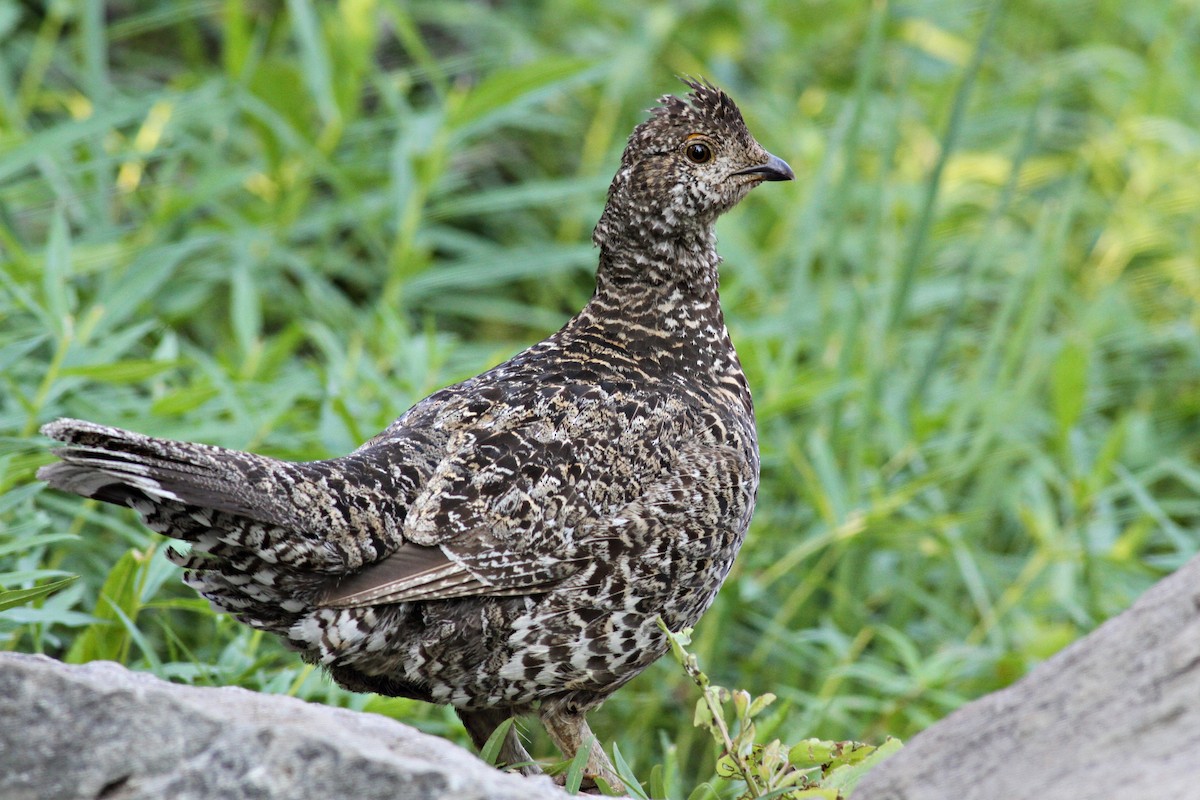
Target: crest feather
705,100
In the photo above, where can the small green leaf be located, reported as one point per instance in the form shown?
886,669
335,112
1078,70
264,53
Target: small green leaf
846,777
625,772
727,767
17,576
658,778
1069,385
811,753
605,789
851,753
135,634
314,57
575,769
760,703
703,717
131,371
741,702
246,309
505,92
491,748
19,597
25,544
55,277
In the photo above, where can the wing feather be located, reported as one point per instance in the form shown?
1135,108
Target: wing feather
412,572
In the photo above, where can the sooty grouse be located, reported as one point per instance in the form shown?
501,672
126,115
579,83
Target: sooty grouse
507,545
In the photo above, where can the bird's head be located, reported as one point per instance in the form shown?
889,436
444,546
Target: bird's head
690,162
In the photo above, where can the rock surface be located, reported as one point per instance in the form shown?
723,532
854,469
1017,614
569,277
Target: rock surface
1117,714
101,731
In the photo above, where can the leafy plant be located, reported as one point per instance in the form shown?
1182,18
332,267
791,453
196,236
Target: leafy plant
812,768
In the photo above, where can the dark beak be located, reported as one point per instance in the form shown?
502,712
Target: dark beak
776,169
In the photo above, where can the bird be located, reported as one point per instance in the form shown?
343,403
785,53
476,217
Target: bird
509,544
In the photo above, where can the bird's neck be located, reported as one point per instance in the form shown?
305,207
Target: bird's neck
661,301
656,315
658,308
649,263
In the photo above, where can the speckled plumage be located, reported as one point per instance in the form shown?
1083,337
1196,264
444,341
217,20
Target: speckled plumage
507,545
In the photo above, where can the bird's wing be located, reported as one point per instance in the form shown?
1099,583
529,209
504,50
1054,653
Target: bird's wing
412,572
499,515
493,519
685,515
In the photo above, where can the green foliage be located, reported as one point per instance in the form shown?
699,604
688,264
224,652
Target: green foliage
813,768
573,777
971,326
490,752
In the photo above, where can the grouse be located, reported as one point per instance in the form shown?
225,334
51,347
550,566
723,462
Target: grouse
508,545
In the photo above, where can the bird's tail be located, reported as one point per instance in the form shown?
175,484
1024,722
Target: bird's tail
266,535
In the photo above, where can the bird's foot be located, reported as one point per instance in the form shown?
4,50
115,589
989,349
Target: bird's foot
570,732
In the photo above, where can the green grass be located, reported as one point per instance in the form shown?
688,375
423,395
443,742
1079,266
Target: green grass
972,326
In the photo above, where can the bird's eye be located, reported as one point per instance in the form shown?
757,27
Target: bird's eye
698,153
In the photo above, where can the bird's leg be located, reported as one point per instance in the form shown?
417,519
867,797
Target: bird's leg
569,731
480,724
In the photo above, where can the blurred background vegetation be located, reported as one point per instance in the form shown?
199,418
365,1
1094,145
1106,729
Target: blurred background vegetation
972,326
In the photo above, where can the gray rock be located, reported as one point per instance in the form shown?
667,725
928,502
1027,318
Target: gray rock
1117,714
101,731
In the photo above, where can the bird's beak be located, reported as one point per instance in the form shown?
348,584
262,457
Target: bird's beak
775,169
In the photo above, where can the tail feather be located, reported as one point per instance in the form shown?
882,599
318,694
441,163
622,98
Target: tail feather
267,536
97,459
285,512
